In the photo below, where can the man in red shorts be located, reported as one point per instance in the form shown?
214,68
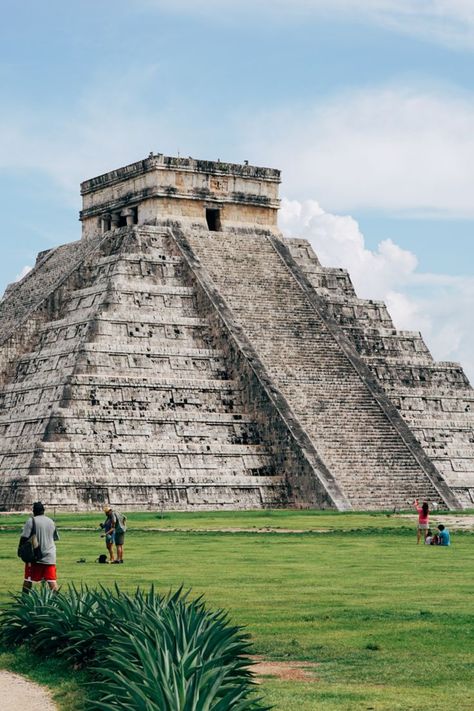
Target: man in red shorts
45,567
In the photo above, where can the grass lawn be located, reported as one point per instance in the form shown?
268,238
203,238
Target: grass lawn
388,623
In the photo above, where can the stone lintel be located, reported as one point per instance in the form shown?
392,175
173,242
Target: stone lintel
135,197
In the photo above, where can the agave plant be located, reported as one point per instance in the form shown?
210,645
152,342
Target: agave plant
19,617
147,652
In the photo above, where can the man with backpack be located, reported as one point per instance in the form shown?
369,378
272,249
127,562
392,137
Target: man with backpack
40,533
120,527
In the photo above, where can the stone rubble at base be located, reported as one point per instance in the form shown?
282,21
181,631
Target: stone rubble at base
184,355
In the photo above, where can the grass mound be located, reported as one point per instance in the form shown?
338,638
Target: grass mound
145,651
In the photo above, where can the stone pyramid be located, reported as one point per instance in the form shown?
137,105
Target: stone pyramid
184,355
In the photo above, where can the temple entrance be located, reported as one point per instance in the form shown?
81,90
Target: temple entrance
213,219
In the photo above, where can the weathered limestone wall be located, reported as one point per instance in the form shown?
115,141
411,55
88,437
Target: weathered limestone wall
125,398
37,298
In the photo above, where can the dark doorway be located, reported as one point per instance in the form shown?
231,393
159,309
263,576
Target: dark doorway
213,218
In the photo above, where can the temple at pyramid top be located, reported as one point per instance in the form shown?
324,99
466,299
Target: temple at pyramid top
214,193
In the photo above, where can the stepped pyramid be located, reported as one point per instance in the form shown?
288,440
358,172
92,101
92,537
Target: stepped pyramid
185,355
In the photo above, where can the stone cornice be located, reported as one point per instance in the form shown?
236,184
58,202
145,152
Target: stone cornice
159,161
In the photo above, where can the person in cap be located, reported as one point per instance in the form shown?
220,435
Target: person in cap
44,568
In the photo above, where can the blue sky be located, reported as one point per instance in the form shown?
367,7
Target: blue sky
367,106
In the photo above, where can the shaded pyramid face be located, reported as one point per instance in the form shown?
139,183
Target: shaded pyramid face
125,397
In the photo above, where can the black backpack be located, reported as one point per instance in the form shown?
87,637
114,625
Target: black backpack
29,551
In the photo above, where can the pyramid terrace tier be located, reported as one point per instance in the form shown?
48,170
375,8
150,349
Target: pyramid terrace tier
127,427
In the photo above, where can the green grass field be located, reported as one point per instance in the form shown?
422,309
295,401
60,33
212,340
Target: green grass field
388,623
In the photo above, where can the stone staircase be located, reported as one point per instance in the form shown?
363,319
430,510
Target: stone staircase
360,444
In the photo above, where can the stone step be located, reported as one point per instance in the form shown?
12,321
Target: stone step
126,427
138,348
146,317
129,381
131,286
156,256
155,447
437,420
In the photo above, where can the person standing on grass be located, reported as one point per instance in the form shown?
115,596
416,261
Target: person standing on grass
423,519
45,567
120,527
109,532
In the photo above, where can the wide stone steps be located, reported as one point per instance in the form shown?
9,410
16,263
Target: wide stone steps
329,398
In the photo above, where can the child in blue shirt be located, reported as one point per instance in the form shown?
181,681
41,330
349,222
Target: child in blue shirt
443,536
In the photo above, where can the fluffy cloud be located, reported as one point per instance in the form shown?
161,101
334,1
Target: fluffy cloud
438,305
394,148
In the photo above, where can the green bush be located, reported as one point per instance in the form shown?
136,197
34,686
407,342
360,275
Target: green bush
146,652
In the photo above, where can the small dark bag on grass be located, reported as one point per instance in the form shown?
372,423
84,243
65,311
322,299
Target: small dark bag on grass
29,551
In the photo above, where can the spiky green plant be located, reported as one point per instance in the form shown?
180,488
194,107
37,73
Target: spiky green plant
154,652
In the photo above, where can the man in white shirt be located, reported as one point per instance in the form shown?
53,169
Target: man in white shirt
45,567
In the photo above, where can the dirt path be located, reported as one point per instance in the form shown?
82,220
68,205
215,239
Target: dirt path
285,671
17,693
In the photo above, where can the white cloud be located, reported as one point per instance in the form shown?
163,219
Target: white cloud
338,237
438,305
449,22
395,148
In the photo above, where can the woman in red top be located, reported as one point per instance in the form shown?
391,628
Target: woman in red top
423,519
